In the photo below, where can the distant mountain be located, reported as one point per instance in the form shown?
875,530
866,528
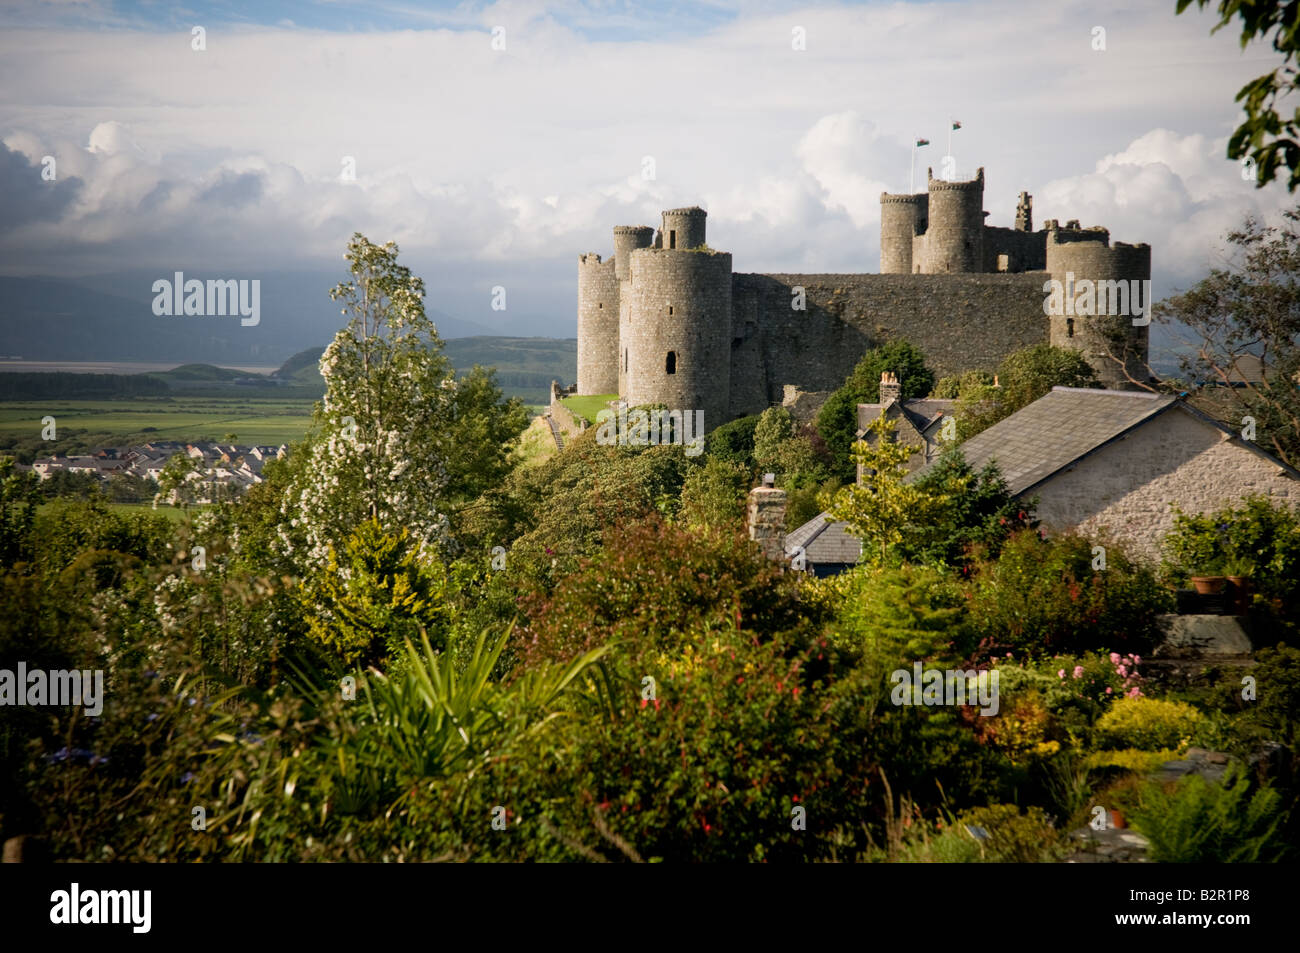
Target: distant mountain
110,318
525,366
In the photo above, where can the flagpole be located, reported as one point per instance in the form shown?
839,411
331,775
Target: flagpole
911,172
950,136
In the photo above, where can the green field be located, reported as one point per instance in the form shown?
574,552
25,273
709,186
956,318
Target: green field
588,406
115,422
174,513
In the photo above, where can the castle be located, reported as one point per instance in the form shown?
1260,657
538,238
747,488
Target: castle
666,320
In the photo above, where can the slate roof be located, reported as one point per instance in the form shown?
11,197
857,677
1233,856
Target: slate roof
922,412
1059,429
825,541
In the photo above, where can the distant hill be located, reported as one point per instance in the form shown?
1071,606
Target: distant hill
525,366
199,372
110,318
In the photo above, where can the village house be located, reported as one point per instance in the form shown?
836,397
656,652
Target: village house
1119,463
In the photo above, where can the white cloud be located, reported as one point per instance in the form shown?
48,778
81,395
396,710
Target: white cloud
233,155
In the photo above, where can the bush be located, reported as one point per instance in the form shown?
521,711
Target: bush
998,833
1044,596
1196,821
733,442
1260,535
660,585
1149,724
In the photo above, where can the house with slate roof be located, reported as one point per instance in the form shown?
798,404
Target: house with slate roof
1103,461
1119,462
917,421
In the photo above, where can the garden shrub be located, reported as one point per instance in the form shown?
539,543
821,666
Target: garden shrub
1043,596
659,584
1258,537
997,833
1149,724
1198,821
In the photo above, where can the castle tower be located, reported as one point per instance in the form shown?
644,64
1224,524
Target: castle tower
677,338
1025,213
1103,288
955,234
626,238
597,325
902,218
683,228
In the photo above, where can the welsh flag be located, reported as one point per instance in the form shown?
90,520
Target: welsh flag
956,124
922,142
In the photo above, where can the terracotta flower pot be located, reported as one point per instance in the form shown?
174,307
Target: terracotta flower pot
1209,585
1240,593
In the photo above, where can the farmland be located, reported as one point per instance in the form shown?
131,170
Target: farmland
84,424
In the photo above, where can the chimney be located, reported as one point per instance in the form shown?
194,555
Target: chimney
890,389
767,518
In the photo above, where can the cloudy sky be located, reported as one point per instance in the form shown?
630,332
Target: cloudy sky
500,166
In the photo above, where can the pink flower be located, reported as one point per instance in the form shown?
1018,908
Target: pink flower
1137,660
1114,658
1108,689
1060,673
1134,692
1122,670
1078,671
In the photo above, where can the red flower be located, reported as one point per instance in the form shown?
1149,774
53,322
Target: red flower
795,798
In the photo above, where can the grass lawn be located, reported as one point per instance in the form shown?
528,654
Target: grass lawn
588,406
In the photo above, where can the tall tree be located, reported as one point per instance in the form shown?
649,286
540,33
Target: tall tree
882,510
383,434
1241,314
1264,137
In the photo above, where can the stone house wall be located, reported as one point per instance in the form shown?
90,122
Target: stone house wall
1130,487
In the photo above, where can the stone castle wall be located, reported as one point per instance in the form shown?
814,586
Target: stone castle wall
960,323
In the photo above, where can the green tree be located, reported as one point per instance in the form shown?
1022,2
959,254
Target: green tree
384,433
713,496
1023,377
1264,136
19,496
780,448
984,514
1250,308
883,511
734,441
374,594
837,422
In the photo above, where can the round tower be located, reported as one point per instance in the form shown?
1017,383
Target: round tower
1103,290
902,218
683,228
955,234
626,238
598,310
678,345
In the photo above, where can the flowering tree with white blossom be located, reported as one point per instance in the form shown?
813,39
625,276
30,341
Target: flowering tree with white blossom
381,437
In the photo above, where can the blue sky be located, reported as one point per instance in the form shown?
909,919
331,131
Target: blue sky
599,21
501,166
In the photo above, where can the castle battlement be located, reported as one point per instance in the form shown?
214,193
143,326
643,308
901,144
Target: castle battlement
666,321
